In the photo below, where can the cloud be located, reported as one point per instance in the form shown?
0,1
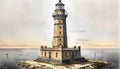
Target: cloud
98,17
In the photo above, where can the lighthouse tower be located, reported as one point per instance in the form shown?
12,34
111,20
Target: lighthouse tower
60,31
60,53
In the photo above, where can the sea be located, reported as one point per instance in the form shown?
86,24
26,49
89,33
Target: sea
9,57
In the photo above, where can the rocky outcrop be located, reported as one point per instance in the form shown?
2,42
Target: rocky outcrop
42,65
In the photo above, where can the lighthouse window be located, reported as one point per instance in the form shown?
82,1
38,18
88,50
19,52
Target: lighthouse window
65,54
60,32
56,55
45,54
59,7
59,39
59,27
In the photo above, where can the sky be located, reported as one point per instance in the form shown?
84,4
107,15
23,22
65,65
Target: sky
29,23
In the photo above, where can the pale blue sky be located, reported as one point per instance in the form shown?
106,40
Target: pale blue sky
26,21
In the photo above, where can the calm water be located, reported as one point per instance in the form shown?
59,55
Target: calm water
9,57
109,55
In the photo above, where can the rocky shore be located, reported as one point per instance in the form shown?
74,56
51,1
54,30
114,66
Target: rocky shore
42,65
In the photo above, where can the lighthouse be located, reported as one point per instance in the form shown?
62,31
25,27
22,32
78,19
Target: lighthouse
59,52
60,30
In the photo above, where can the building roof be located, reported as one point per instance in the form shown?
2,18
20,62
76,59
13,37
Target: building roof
59,3
70,48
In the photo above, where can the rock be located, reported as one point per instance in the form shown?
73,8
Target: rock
42,65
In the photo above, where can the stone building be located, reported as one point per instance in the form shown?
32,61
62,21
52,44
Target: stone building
60,53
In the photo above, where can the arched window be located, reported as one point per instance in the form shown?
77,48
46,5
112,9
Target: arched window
59,39
59,32
59,27
60,44
45,54
56,55
65,54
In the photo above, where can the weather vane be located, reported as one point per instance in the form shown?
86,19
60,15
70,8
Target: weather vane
59,0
